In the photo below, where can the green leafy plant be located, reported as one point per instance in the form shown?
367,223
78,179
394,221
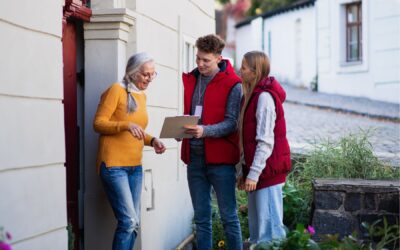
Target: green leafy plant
295,208
389,234
241,200
350,157
380,237
298,239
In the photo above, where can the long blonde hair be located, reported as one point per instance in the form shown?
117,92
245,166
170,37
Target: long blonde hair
259,63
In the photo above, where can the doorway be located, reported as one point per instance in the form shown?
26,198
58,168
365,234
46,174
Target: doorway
73,70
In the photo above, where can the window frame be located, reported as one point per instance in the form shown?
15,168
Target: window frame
338,52
349,26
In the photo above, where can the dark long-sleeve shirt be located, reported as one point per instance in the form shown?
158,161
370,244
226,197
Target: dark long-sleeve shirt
230,122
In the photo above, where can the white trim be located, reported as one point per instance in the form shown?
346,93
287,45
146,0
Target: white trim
110,24
188,56
339,13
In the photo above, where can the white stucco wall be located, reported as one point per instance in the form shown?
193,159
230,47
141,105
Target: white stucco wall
288,39
244,43
378,76
248,37
32,151
290,42
160,28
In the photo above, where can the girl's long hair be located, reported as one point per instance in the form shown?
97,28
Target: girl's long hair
259,63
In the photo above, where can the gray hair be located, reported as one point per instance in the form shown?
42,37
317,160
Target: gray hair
133,66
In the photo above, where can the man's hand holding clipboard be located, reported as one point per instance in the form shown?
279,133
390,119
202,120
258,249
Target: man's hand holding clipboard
178,127
195,131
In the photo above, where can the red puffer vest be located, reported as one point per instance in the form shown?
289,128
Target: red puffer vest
224,150
278,164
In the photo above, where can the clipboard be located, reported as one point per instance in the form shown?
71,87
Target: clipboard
173,126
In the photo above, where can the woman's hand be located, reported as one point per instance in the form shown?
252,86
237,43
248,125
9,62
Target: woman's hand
250,185
158,146
136,131
195,130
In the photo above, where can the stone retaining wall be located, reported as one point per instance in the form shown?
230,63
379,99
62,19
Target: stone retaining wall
340,206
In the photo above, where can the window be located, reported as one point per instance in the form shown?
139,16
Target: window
353,32
189,57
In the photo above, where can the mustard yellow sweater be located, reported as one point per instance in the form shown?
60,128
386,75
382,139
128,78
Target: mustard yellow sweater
117,146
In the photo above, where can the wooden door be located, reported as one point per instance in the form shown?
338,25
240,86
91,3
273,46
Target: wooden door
74,13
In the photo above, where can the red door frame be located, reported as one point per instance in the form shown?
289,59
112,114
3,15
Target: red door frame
73,10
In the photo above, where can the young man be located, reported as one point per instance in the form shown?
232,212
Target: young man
213,92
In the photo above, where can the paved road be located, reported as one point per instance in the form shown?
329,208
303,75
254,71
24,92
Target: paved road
305,125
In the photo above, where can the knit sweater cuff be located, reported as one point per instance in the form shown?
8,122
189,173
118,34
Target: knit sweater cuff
148,139
123,125
253,175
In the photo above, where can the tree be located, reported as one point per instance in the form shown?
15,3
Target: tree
260,6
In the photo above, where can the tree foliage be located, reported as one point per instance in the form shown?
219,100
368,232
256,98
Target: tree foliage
223,1
260,6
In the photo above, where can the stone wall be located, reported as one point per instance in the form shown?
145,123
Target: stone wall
340,206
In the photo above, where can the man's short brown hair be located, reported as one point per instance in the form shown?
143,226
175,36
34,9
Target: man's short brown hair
210,44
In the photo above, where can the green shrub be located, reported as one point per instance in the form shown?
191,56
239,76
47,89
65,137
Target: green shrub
300,239
380,237
350,157
295,207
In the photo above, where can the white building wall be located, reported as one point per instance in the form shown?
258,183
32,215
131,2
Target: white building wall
377,76
244,43
290,42
248,38
160,28
229,51
32,151
288,39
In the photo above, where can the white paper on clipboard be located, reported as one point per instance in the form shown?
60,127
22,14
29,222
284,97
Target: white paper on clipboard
173,126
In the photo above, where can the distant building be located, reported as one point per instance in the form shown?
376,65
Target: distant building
227,16
57,57
346,47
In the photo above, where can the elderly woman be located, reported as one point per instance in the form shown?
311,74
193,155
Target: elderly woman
121,120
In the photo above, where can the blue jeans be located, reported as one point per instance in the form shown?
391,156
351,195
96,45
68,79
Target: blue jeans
201,178
123,186
265,207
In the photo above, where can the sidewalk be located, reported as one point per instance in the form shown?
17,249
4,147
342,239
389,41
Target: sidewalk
346,104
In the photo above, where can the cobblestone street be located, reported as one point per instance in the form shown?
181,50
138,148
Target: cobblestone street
306,125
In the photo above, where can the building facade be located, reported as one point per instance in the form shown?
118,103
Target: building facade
288,37
56,62
347,47
359,48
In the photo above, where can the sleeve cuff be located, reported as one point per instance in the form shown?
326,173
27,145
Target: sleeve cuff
253,175
148,139
122,126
